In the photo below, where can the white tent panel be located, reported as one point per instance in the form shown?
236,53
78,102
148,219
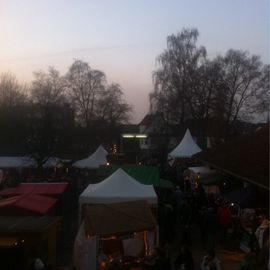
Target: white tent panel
118,187
25,162
99,157
16,162
186,148
202,170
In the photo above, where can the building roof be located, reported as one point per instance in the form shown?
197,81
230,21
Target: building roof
129,128
29,204
123,218
35,188
26,224
147,120
246,157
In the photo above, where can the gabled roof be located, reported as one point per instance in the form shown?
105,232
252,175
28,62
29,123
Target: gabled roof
147,120
118,187
186,148
246,157
130,128
99,157
123,218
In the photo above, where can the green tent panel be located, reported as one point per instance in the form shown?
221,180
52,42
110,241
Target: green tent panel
148,175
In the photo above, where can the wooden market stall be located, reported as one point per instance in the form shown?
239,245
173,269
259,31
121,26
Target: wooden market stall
24,239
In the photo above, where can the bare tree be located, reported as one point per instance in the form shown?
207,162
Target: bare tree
12,93
263,96
48,88
242,88
175,78
13,98
112,107
85,85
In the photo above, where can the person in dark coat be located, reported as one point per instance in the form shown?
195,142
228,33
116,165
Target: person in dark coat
210,227
185,222
184,260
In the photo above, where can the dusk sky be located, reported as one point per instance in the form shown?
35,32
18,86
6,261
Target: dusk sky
123,37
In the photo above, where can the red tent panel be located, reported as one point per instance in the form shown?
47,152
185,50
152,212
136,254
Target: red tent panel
27,204
35,188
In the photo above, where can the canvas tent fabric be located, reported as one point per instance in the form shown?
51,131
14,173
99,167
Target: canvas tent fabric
29,204
19,162
16,162
207,176
35,188
147,175
118,187
26,224
124,218
99,157
202,170
186,148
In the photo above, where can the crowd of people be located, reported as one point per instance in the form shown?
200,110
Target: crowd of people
186,211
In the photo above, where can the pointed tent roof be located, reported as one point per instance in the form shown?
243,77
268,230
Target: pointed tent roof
118,187
99,157
186,148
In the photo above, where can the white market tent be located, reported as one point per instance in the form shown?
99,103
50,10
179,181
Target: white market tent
202,170
99,157
16,162
118,187
186,148
19,162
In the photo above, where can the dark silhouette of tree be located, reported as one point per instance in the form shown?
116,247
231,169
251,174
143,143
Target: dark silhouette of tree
42,134
230,88
85,85
174,79
112,107
263,96
12,93
48,88
13,98
242,91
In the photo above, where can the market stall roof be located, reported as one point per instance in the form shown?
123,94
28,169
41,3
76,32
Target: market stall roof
207,175
123,218
186,148
27,224
202,170
18,162
245,157
118,187
99,157
148,175
35,188
27,204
